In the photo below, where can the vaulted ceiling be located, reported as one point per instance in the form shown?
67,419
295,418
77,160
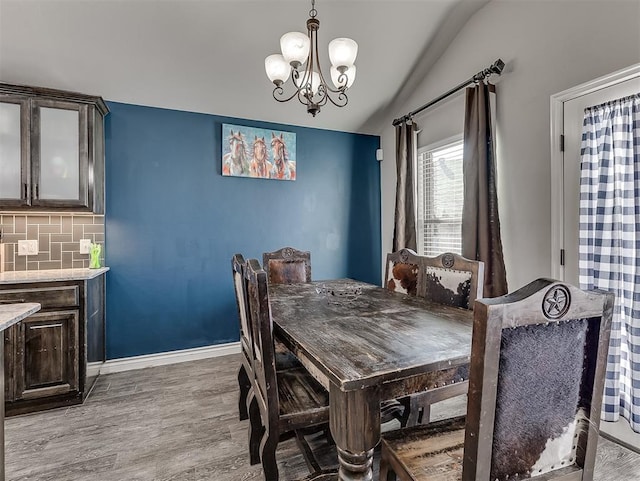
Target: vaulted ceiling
208,55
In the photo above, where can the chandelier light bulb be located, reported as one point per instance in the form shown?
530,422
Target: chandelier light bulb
315,83
342,52
277,69
350,77
295,48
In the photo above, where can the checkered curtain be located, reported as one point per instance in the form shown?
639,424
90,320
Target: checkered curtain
610,241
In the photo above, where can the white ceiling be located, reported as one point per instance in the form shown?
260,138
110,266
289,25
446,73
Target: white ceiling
208,55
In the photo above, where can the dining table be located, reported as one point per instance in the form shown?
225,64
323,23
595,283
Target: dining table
365,345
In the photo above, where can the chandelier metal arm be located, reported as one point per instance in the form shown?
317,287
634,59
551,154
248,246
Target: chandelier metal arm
342,100
279,91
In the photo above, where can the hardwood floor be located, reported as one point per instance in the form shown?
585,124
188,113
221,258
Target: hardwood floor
178,423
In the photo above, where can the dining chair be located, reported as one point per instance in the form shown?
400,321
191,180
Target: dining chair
245,373
451,280
279,402
403,272
284,358
538,364
287,266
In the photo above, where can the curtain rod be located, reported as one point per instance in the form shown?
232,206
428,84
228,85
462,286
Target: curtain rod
496,68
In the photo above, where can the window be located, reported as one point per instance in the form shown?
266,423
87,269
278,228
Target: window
440,198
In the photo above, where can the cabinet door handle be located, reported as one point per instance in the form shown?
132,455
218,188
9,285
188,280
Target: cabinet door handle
35,191
47,326
26,190
12,301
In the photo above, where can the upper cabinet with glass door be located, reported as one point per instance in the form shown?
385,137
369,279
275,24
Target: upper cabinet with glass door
51,150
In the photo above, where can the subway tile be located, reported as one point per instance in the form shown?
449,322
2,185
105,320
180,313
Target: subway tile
50,229
32,232
82,219
78,264
9,266
20,263
70,246
94,229
43,242
58,237
14,238
56,251
37,219
78,233
40,256
51,265
61,238
67,260
20,224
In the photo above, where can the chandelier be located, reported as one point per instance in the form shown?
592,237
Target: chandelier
299,59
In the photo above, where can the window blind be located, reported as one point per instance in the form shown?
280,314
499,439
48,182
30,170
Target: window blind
440,199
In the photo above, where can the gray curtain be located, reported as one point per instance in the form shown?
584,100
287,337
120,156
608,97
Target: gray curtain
404,232
480,221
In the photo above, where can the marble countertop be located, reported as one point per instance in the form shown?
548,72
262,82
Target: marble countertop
10,314
51,275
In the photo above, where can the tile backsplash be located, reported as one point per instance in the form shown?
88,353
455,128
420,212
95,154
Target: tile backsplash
58,237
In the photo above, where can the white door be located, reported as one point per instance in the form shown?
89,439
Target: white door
573,117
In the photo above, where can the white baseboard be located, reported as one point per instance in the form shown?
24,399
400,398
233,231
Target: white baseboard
93,368
164,358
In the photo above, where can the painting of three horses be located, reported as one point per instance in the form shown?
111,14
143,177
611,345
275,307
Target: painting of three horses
259,153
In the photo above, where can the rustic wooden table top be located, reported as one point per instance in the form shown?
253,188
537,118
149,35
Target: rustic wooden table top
359,341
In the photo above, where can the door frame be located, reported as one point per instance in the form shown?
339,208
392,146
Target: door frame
557,155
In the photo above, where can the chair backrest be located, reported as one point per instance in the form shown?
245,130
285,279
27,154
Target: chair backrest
265,385
240,286
453,280
287,266
404,272
538,362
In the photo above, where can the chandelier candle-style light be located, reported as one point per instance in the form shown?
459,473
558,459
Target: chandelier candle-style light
299,59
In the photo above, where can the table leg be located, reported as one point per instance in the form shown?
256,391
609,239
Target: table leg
355,426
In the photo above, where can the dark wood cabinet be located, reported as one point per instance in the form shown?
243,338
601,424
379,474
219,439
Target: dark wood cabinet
46,354
53,149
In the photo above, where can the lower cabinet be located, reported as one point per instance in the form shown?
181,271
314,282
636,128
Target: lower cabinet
47,359
46,354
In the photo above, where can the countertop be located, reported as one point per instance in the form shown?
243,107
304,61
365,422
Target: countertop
10,314
51,275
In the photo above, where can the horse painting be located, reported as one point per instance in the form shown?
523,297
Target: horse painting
236,161
260,165
258,153
283,168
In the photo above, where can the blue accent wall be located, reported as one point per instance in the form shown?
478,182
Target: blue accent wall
173,222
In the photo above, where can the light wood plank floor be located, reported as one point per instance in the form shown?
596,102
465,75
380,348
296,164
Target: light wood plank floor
177,423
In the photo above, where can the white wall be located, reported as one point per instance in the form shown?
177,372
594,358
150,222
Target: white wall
548,46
